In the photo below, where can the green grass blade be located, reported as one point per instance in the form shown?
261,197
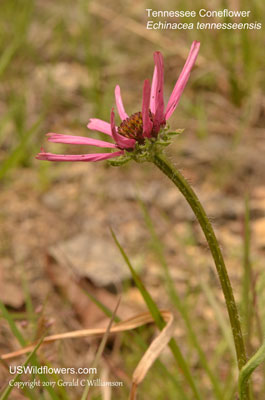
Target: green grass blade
14,329
147,298
48,388
101,349
179,304
246,284
9,388
160,322
18,152
219,316
29,306
101,306
22,17
138,339
7,55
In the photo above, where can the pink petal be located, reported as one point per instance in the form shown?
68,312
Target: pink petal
182,80
81,157
157,96
69,139
100,126
122,142
147,123
119,104
104,127
153,91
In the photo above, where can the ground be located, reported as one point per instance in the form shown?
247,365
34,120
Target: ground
56,218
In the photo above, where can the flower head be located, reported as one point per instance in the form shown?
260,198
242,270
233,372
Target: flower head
138,135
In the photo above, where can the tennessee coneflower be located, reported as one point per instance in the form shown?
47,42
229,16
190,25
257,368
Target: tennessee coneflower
136,134
140,137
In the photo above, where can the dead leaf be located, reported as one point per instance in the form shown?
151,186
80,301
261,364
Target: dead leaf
126,325
151,354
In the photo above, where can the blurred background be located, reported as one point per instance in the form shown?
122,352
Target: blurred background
59,64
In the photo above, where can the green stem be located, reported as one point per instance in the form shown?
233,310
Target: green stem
175,176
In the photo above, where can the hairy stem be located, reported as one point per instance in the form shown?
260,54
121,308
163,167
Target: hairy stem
175,176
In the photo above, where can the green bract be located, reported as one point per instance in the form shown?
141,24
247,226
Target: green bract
146,151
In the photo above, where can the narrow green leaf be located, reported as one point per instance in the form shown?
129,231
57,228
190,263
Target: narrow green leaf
219,315
248,369
246,284
9,388
23,343
17,154
179,304
160,322
138,339
16,332
101,306
101,349
147,298
29,306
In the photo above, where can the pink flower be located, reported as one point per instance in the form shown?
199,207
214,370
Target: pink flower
146,123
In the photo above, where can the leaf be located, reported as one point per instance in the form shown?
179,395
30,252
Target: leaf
248,369
151,355
9,388
18,152
176,132
178,302
101,348
12,324
160,323
126,325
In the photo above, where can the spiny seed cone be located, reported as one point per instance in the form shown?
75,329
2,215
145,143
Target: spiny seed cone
132,127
